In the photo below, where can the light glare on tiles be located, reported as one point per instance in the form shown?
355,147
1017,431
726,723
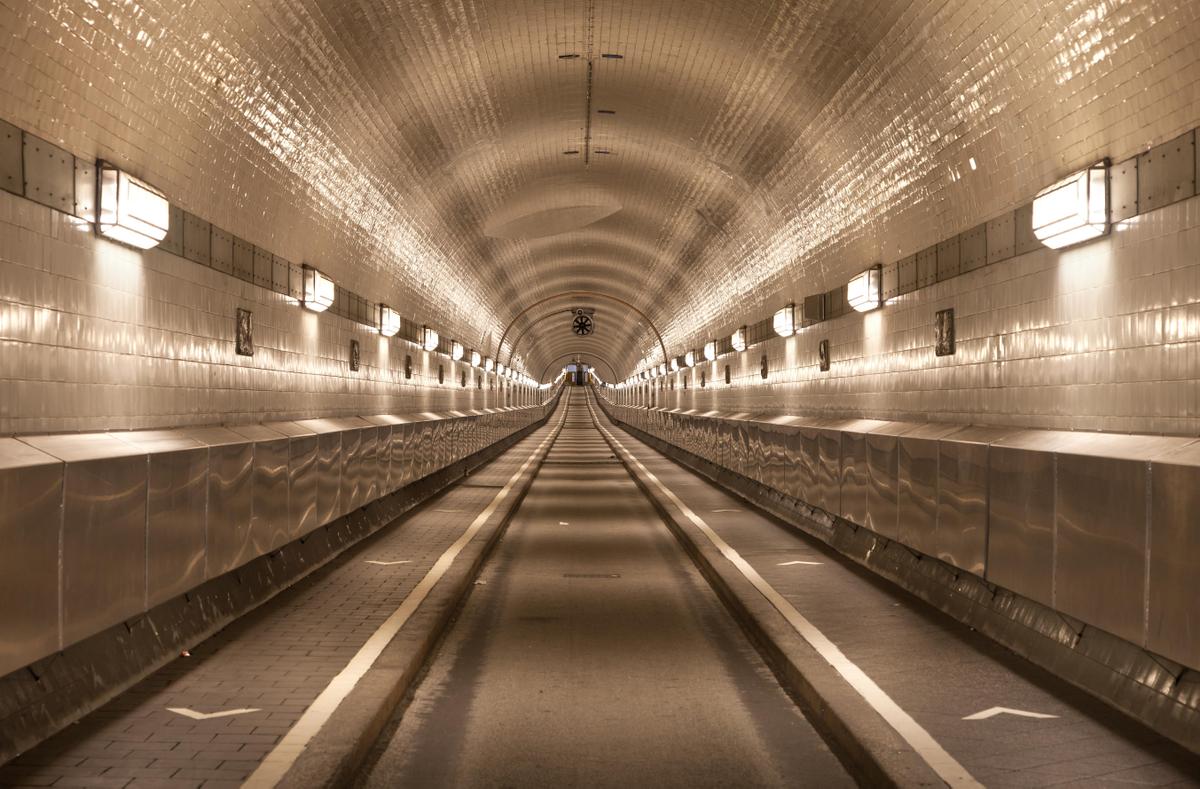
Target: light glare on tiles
131,211
1073,210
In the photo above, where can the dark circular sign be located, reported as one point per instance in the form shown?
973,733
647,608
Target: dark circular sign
582,325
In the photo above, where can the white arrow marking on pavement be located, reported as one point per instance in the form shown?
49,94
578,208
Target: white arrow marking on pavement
200,716
726,510
789,564
563,523
388,564
994,711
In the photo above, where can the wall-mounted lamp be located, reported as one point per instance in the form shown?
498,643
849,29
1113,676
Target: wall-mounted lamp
457,351
785,321
863,293
319,290
738,339
689,359
499,369
1073,210
710,350
488,364
130,211
389,321
476,358
429,339
675,365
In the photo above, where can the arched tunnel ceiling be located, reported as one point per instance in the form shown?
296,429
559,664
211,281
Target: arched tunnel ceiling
705,161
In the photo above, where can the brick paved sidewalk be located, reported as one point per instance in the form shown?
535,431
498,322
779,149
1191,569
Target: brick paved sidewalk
274,660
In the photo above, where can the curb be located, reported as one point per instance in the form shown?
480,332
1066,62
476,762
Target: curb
871,750
334,755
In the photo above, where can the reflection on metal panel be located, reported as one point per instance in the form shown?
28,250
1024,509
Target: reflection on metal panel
176,542
104,544
916,486
883,453
962,498
1173,628
230,507
302,484
31,486
1099,570
269,513
829,470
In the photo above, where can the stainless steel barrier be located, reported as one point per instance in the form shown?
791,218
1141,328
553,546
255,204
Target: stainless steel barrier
1102,527
98,528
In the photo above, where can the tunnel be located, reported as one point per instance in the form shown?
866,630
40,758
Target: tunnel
599,393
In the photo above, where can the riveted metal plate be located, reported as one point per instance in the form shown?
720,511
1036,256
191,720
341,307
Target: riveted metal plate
906,276
243,259
11,177
838,305
264,267
1123,189
222,251
1167,173
279,274
813,310
49,174
973,248
85,190
173,242
1000,239
197,239
948,259
295,282
927,267
1025,240
890,285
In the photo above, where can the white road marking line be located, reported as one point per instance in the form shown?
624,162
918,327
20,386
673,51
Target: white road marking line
994,711
726,510
789,564
202,716
447,510
563,523
945,765
388,564
287,750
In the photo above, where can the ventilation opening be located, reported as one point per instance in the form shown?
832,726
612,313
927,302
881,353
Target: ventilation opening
763,371
603,152
612,56
464,379
607,112
441,374
702,380
572,152
408,367
728,378
569,56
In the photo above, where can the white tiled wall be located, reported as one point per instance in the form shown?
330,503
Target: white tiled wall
1105,336
97,336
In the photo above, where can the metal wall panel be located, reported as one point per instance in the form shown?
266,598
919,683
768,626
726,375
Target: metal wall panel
269,514
176,541
221,252
1024,241
104,531
352,476
1001,238
973,248
31,487
907,274
962,498
1021,514
243,259
49,174
883,459
229,540
1167,173
1123,189
12,178
197,239
916,486
85,190
302,477
949,259
1173,625
173,242
853,473
1100,521
927,267
829,470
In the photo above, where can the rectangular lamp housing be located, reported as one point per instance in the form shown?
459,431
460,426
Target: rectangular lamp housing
429,339
864,293
130,211
784,321
1073,210
389,321
319,290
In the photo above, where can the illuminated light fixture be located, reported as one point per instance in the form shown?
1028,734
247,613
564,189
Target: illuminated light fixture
784,321
456,351
499,369
1073,210
662,369
674,365
476,359
131,211
319,290
488,364
389,321
429,339
689,359
863,292
710,350
738,339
